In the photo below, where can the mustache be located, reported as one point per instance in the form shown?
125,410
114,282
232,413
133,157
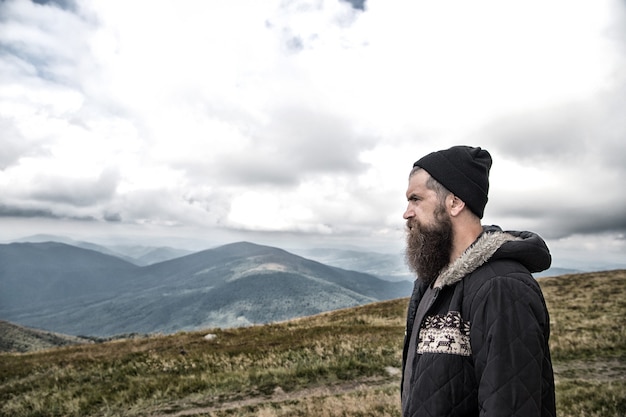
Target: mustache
410,225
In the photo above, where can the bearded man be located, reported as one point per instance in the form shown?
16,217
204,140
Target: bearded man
477,329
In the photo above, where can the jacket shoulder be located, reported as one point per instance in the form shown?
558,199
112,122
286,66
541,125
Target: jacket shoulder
503,270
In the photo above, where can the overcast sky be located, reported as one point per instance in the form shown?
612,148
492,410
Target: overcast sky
296,122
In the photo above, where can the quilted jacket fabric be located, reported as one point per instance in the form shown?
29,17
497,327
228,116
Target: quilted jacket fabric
482,348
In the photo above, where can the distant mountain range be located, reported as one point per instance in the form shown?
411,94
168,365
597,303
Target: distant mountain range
76,290
388,266
136,254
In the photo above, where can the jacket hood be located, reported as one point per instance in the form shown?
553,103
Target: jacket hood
527,248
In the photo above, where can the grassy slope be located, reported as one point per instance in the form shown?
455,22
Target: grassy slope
588,342
343,363
14,338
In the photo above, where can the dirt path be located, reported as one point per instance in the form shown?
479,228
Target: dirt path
280,396
591,370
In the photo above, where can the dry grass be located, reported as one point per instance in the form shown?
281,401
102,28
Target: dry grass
588,342
363,401
587,314
334,364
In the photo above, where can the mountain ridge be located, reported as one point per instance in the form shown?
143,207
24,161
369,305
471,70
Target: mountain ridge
82,292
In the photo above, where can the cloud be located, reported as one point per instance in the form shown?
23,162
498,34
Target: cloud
74,191
304,116
357,4
9,211
63,4
583,131
34,212
296,144
13,146
569,161
42,37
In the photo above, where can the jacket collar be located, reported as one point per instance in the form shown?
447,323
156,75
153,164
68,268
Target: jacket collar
476,255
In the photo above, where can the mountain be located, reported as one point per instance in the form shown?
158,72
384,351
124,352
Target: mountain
45,238
76,291
388,266
392,267
137,254
155,255
34,276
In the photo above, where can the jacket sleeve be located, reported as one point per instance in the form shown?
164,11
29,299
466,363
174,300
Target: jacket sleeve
509,332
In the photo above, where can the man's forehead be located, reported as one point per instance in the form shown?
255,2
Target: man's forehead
419,178
417,182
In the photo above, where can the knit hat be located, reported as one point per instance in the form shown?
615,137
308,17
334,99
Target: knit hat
464,171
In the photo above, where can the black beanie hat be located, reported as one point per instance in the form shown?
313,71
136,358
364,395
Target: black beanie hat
464,171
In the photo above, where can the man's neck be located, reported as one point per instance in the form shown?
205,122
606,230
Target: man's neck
464,238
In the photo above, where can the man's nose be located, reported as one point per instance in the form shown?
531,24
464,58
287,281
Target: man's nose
408,213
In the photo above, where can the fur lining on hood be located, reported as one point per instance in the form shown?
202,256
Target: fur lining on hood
473,257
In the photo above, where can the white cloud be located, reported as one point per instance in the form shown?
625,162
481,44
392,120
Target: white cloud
305,117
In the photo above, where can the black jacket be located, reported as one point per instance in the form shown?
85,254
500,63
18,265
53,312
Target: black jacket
483,343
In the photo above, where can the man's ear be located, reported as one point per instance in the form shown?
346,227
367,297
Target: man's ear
456,205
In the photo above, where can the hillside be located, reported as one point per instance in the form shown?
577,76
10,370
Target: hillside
340,363
82,292
34,276
391,267
14,338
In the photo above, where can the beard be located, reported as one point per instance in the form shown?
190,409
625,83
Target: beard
428,247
